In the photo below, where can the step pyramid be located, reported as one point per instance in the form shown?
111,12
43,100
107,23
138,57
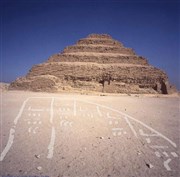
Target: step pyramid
95,63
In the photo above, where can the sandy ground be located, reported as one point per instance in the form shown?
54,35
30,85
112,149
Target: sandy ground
60,135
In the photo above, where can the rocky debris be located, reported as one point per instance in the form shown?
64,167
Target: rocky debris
39,168
37,156
96,63
4,86
47,83
149,165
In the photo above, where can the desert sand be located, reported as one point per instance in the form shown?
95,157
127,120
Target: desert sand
70,134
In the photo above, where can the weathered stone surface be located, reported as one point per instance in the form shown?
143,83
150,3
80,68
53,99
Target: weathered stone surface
98,58
95,63
37,83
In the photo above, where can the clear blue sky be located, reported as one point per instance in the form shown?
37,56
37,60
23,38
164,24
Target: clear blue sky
32,30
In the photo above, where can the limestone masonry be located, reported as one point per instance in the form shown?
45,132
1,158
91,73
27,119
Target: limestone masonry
95,63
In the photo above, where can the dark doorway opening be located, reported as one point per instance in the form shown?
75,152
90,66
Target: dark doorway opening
164,88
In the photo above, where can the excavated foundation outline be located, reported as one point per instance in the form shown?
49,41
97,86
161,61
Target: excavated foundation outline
126,117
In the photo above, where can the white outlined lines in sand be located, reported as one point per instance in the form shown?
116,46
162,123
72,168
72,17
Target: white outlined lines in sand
12,132
31,116
147,136
161,151
114,123
33,119
9,144
71,110
130,125
53,133
118,131
20,111
65,123
51,144
34,115
135,120
33,130
166,164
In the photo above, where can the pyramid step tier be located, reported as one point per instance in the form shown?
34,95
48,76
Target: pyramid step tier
98,58
105,42
99,36
98,49
88,72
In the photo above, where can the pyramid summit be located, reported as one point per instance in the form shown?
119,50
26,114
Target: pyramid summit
95,63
